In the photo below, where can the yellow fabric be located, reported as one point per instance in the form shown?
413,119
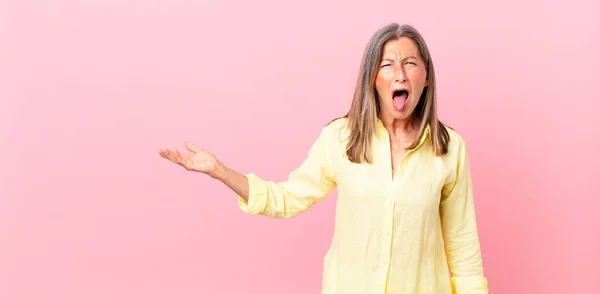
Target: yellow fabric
410,233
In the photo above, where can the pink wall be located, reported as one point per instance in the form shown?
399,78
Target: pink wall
90,90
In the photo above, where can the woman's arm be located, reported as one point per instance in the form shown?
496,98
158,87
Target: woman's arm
306,185
459,228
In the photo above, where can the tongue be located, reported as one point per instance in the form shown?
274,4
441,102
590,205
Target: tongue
399,102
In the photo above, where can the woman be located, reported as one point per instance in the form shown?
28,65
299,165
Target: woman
405,220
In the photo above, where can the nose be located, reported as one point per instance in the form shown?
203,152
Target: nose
399,74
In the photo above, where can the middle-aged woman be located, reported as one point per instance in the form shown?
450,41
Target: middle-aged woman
405,220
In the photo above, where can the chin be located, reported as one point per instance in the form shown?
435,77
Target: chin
403,115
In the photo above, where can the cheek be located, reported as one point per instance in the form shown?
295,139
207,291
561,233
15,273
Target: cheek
418,78
382,81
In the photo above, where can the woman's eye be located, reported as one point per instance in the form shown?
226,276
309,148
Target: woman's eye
385,65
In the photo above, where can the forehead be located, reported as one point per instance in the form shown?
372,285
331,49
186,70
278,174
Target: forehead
404,47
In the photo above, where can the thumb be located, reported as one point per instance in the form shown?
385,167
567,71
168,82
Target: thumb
191,147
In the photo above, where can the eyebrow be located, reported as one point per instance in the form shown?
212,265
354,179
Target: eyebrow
393,59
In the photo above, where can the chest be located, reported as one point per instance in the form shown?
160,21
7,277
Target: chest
398,151
408,177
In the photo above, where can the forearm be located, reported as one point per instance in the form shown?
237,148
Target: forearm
306,185
232,179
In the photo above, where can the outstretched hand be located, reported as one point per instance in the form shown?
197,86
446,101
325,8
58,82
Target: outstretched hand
197,159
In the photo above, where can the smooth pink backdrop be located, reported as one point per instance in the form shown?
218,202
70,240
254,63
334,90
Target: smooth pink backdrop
91,89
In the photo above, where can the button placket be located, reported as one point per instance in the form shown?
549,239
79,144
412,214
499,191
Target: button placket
387,235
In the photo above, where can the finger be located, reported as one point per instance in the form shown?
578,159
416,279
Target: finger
172,155
162,152
177,156
191,147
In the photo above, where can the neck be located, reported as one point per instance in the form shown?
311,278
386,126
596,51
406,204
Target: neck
399,128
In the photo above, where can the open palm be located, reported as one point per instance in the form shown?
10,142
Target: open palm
197,160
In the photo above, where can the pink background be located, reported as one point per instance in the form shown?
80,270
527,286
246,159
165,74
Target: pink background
91,89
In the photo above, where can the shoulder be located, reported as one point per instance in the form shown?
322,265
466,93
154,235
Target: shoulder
456,143
335,131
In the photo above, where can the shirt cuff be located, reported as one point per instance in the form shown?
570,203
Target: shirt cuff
257,195
469,285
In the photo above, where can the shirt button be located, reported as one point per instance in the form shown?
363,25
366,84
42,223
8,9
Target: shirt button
390,203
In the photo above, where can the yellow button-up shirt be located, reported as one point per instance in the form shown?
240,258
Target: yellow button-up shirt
413,232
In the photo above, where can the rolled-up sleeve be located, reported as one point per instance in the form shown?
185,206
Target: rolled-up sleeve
308,184
461,239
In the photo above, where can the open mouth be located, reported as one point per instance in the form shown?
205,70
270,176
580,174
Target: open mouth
400,99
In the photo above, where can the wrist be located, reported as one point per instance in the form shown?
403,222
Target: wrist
219,171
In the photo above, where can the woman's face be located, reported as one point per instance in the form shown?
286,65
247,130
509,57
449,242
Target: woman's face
401,79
